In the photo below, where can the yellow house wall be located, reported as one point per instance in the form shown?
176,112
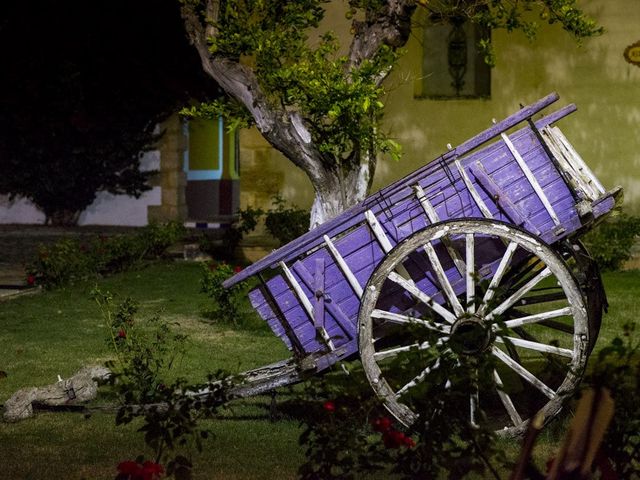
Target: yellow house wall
595,76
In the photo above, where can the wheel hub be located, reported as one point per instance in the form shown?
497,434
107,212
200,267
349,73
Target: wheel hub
470,335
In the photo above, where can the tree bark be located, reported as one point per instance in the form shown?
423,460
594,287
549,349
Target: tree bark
62,218
342,189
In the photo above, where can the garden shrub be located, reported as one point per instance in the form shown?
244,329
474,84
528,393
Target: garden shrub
157,237
348,434
286,223
229,306
618,369
71,260
116,254
142,377
610,243
66,261
224,248
283,222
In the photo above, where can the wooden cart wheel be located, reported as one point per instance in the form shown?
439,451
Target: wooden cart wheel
467,290
587,273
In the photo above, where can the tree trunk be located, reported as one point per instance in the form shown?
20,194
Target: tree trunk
62,218
338,192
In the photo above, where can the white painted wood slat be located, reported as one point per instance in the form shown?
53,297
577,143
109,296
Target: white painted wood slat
383,240
443,280
411,287
519,294
523,372
506,400
344,268
472,190
400,318
532,179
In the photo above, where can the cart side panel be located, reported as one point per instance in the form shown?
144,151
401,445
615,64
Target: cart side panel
362,253
326,314
293,313
508,175
390,194
265,309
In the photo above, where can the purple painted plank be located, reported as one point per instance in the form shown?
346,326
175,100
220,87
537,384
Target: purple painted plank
501,199
492,156
318,306
307,280
263,308
605,204
503,126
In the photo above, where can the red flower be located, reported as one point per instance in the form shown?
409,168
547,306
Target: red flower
122,333
31,280
382,424
151,470
409,443
131,470
393,439
129,467
329,406
237,269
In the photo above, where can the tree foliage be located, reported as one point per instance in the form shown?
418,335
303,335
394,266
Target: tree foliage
321,103
82,89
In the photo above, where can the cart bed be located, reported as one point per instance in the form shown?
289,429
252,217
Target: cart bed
311,288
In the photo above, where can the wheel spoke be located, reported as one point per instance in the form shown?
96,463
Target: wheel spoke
405,319
506,400
474,403
497,278
392,352
539,347
411,287
523,372
519,294
442,278
471,284
536,318
418,379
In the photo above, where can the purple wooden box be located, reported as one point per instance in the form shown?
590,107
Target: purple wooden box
531,178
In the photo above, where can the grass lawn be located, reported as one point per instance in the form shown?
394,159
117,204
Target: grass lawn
58,332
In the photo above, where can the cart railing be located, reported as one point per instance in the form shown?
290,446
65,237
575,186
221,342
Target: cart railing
401,189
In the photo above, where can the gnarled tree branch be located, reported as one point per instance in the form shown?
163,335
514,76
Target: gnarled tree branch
389,24
285,130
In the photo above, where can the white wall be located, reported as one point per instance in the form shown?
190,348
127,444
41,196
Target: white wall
107,209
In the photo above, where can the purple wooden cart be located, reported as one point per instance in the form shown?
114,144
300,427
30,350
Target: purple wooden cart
479,247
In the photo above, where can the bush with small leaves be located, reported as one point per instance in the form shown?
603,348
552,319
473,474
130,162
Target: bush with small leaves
618,369
611,242
170,410
70,260
286,222
229,306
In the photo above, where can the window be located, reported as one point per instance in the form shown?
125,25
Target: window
453,66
